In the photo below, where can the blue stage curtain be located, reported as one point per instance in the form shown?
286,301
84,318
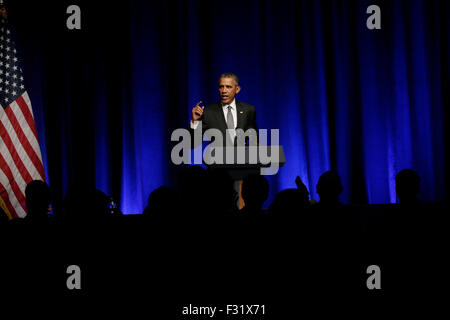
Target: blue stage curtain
367,103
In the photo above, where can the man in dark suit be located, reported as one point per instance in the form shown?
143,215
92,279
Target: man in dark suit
228,113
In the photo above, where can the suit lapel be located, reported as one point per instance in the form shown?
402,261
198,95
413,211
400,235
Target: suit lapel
221,117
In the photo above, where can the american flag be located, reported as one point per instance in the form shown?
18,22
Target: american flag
20,154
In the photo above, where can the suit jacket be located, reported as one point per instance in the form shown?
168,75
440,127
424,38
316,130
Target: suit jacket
213,117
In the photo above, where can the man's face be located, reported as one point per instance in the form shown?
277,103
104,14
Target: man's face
227,90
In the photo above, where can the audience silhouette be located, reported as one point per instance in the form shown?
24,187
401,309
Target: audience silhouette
81,203
162,201
329,188
38,201
407,187
289,203
208,193
98,204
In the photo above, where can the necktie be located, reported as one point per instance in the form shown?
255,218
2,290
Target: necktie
230,122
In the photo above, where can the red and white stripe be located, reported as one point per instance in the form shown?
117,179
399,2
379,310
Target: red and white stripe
20,154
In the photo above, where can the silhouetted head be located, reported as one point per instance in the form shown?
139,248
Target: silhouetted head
38,199
97,204
289,202
329,187
255,190
161,201
82,202
407,186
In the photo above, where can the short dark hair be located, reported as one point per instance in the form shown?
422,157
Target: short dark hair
407,176
230,75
